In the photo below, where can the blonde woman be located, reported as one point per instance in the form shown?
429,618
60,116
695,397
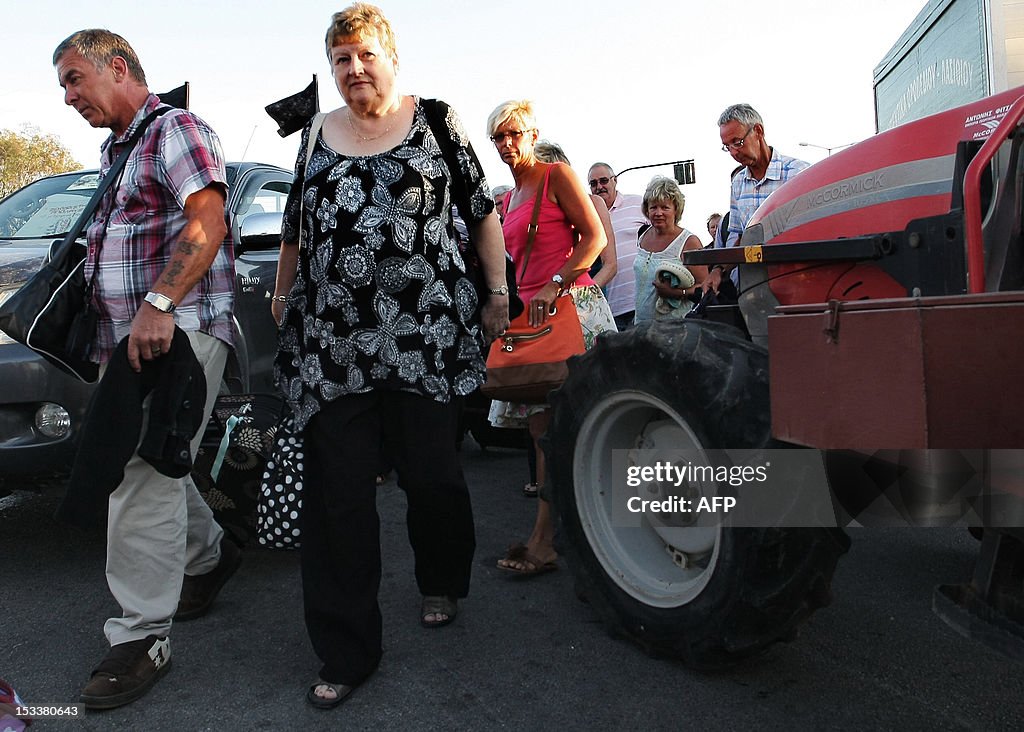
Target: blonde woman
569,238
664,240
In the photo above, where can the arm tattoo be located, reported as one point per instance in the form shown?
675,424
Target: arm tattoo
171,275
188,247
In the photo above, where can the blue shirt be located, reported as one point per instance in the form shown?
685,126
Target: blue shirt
748,194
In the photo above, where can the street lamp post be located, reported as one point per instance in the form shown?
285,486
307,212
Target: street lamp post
828,150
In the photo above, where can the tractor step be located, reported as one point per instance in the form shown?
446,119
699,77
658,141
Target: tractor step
964,611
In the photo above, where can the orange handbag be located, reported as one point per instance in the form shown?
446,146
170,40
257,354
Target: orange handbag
526,363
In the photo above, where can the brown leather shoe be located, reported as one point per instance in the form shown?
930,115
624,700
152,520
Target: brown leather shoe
199,592
128,671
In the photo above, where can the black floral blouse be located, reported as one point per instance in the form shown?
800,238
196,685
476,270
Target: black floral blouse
381,299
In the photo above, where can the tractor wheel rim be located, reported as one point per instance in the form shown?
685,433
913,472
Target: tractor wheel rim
635,550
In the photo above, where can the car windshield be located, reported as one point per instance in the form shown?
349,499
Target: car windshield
48,207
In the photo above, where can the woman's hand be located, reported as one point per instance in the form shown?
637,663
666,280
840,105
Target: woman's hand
540,305
668,291
494,317
490,248
277,303
287,267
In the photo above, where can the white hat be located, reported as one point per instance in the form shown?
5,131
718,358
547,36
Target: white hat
678,270
678,276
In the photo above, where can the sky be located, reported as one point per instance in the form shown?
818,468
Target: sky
628,83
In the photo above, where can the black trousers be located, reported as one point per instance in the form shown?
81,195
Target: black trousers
340,554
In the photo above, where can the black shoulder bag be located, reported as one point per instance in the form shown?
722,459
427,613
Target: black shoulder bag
51,313
474,271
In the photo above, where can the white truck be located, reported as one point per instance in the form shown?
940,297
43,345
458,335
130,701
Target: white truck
953,53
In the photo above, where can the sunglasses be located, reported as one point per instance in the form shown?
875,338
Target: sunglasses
513,135
595,182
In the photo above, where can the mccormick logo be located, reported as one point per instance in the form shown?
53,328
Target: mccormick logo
845,189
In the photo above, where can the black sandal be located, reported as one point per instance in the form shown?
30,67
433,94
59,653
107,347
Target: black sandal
438,605
341,693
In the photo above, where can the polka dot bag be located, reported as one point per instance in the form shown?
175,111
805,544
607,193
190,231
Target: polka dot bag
280,500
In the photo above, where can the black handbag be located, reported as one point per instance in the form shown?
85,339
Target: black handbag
474,270
232,459
51,313
41,313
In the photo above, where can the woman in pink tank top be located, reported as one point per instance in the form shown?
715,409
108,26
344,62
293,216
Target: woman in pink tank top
569,238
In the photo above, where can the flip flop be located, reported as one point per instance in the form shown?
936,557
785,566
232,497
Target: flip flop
438,605
519,553
341,691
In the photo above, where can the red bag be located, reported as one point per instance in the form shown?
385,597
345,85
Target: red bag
526,363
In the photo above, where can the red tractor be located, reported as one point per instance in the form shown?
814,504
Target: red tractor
883,305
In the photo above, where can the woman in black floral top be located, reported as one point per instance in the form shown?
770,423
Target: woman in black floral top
381,330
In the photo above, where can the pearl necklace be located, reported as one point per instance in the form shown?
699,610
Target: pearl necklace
360,135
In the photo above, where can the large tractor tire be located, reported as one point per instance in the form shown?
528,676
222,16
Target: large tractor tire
708,595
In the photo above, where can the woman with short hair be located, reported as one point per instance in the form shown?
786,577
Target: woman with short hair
569,238
665,240
380,331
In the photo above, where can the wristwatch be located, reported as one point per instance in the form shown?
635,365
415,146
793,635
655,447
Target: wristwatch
557,279
161,302
503,290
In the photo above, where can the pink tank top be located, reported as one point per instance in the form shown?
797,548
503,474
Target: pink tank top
551,247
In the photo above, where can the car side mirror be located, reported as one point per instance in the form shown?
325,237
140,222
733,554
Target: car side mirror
260,231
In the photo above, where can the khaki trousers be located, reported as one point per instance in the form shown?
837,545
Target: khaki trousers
160,528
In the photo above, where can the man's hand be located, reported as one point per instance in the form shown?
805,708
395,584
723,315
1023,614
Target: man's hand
150,336
713,280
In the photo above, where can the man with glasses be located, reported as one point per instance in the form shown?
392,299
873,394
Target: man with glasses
762,170
627,217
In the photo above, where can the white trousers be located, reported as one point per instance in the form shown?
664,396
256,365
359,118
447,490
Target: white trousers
159,528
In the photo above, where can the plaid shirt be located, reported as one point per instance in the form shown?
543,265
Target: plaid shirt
748,194
140,219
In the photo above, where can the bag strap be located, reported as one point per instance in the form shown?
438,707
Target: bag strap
531,230
314,131
449,153
440,130
113,174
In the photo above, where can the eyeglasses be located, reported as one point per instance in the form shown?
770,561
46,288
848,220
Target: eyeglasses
595,182
513,135
737,144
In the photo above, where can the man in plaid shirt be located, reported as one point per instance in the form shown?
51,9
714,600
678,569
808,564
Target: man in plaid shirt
763,170
157,246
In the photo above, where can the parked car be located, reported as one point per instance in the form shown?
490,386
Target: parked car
41,408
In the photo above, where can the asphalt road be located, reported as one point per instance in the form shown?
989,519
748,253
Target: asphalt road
522,655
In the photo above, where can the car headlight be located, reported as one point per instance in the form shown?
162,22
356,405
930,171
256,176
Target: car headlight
6,292
52,420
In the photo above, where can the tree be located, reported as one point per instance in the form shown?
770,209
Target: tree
28,155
